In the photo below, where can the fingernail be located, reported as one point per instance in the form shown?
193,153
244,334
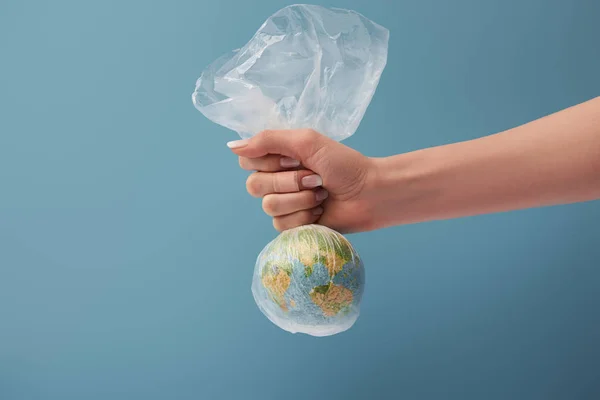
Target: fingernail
312,181
287,162
318,211
236,144
321,194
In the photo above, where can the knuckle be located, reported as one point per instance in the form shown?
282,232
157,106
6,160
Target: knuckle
307,138
243,161
310,133
311,198
253,185
308,217
270,204
310,142
264,136
277,224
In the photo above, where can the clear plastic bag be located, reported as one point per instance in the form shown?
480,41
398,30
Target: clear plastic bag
306,67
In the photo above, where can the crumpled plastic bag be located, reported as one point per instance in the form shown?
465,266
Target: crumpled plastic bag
306,67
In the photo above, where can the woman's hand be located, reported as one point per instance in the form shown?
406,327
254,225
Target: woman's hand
304,177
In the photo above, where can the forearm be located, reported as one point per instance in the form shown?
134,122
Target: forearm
553,160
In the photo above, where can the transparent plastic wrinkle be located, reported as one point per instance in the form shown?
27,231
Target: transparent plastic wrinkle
285,292
306,67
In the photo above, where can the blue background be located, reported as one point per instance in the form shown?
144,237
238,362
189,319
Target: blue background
127,240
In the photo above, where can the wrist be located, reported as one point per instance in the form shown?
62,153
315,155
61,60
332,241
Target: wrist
400,188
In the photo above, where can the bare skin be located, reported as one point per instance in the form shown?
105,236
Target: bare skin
304,177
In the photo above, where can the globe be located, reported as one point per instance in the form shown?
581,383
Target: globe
309,280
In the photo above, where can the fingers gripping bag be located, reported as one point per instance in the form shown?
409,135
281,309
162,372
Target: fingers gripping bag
306,67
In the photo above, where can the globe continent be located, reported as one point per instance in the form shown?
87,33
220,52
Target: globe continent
309,280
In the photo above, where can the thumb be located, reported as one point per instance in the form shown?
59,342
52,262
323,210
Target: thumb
299,144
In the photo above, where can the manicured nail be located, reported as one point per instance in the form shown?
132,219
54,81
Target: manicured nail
318,211
321,194
312,181
287,162
236,144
